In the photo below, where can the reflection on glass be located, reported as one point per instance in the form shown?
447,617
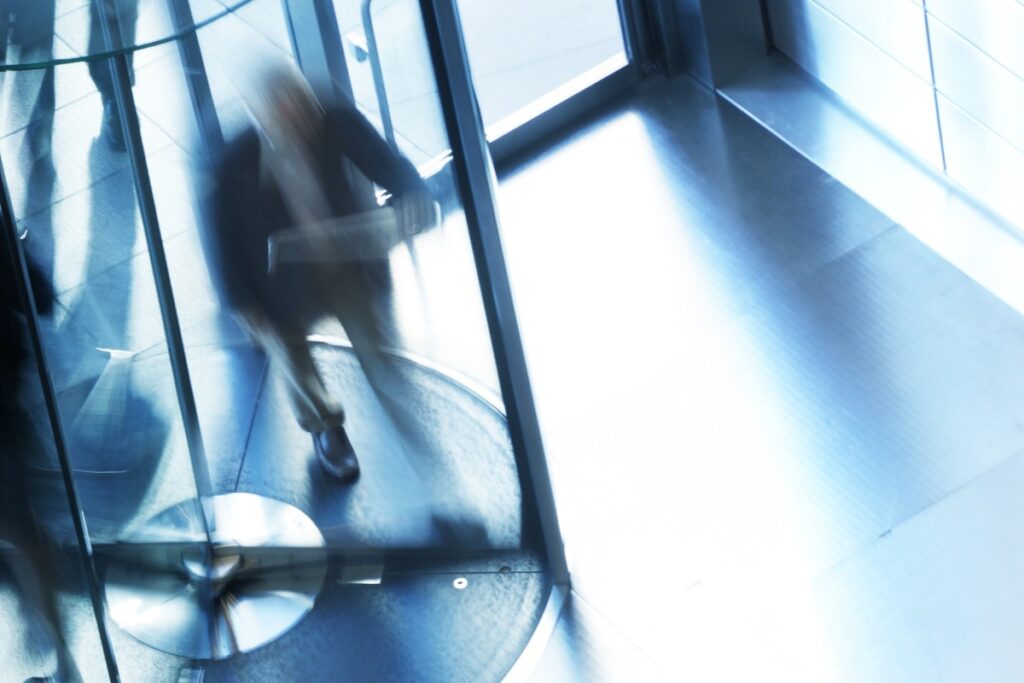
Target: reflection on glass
36,31
324,283
75,204
124,15
70,26
45,607
28,36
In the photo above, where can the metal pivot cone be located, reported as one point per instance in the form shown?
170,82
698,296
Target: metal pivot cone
256,579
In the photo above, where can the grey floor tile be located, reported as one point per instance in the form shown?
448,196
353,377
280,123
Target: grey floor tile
931,601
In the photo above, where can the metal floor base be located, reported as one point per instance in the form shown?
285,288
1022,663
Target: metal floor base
259,577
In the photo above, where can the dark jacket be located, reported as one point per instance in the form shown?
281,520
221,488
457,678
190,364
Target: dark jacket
17,443
244,207
12,333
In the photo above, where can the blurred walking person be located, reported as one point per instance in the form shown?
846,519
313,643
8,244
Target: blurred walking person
289,172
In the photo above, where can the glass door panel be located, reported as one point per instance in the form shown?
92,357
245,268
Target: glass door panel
529,56
420,401
46,606
392,79
195,510
526,58
104,339
74,190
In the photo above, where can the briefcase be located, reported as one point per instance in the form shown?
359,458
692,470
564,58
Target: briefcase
357,238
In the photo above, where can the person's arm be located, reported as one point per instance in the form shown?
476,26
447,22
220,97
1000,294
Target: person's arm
360,142
225,219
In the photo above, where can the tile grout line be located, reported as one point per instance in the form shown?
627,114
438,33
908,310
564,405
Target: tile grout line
970,483
252,421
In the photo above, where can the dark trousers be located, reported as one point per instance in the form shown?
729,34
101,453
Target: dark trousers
347,294
30,24
127,14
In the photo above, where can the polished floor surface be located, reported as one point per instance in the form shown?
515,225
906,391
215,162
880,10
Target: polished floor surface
786,435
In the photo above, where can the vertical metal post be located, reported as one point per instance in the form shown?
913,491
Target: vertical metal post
129,118
10,233
316,44
475,176
373,55
210,132
635,34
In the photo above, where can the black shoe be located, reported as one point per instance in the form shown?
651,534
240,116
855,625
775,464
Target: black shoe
336,455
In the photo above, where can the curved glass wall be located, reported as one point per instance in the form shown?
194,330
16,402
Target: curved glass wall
189,451
39,33
49,620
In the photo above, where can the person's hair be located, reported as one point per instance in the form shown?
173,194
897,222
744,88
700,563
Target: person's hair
282,103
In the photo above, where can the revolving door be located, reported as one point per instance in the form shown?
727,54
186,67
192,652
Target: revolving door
198,537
